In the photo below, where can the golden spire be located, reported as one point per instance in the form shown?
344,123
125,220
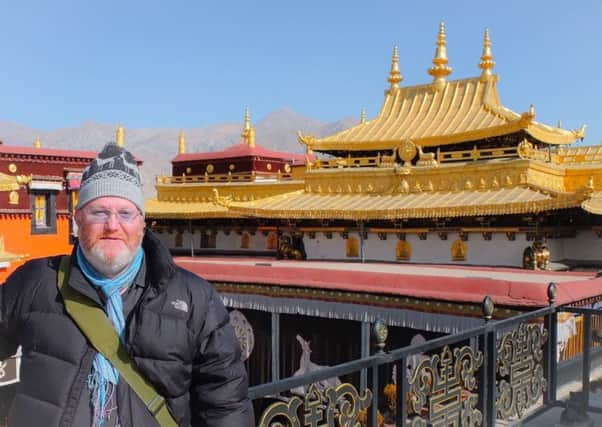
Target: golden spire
37,143
487,63
394,76
248,133
120,136
363,116
181,143
440,69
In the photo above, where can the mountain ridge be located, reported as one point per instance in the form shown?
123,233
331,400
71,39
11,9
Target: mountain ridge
157,146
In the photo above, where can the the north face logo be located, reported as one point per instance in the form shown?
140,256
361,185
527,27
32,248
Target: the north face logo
180,305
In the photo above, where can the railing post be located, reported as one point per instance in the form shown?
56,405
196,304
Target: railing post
487,345
587,344
380,332
550,361
403,387
365,352
275,347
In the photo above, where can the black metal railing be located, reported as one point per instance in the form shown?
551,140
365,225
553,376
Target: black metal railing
505,369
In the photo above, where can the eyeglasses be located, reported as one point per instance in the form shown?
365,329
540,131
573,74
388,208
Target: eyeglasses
102,216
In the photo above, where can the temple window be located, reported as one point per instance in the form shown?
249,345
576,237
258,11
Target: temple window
43,213
244,240
272,241
179,240
208,240
352,247
403,251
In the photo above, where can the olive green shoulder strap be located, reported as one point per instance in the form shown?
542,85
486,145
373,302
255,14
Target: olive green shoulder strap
95,325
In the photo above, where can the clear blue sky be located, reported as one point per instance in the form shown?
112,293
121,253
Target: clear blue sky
193,63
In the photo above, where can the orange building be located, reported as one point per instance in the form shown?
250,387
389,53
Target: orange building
38,191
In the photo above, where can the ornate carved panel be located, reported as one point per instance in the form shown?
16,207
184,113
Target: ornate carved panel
520,369
340,406
441,389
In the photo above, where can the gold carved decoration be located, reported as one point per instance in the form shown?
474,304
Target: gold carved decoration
407,151
223,201
231,167
287,168
12,168
188,170
525,149
13,198
209,168
352,247
12,183
458,250
403,251
340,406
269,166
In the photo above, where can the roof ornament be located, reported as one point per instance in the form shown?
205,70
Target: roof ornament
487,63
532,110
363,116
181,143
440,69
120,135
248,133
395,75
37,143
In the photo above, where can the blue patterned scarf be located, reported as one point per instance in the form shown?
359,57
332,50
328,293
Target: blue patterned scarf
103,377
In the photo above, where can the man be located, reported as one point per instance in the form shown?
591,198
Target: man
171,322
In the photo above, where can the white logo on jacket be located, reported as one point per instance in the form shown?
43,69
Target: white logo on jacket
180,305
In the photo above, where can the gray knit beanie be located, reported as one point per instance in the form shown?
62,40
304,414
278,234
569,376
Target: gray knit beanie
114,172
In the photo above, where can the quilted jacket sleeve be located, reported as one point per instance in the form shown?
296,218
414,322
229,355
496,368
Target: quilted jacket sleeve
219,394
10,302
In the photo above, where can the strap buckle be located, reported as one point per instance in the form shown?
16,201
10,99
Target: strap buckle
156,404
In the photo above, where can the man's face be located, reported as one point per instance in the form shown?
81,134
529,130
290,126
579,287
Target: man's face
110,231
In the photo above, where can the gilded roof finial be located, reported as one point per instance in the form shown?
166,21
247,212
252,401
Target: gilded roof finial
395,75
37,143
363,116
487,63
440,69
248,133
120,136
247,119
181,143
532,110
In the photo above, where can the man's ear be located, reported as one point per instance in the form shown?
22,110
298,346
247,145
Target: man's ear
77,217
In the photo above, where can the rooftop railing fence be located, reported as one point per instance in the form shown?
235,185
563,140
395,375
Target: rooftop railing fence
503,370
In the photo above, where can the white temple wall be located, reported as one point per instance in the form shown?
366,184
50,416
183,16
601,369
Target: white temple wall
322,248
586,246
380,250
498,251
557,248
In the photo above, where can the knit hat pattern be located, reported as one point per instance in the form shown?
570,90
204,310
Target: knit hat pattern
114,172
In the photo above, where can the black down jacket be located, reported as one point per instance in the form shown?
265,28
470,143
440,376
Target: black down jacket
178,335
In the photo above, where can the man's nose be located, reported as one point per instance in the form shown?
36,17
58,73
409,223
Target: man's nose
112,222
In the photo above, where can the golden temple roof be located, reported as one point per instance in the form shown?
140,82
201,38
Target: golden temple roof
186,210
502,201
441,113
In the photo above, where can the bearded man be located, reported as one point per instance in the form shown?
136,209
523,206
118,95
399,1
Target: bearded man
171,324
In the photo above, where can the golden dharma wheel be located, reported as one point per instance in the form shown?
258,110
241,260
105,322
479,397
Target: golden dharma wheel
407,151
525,149
209,168
231,166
